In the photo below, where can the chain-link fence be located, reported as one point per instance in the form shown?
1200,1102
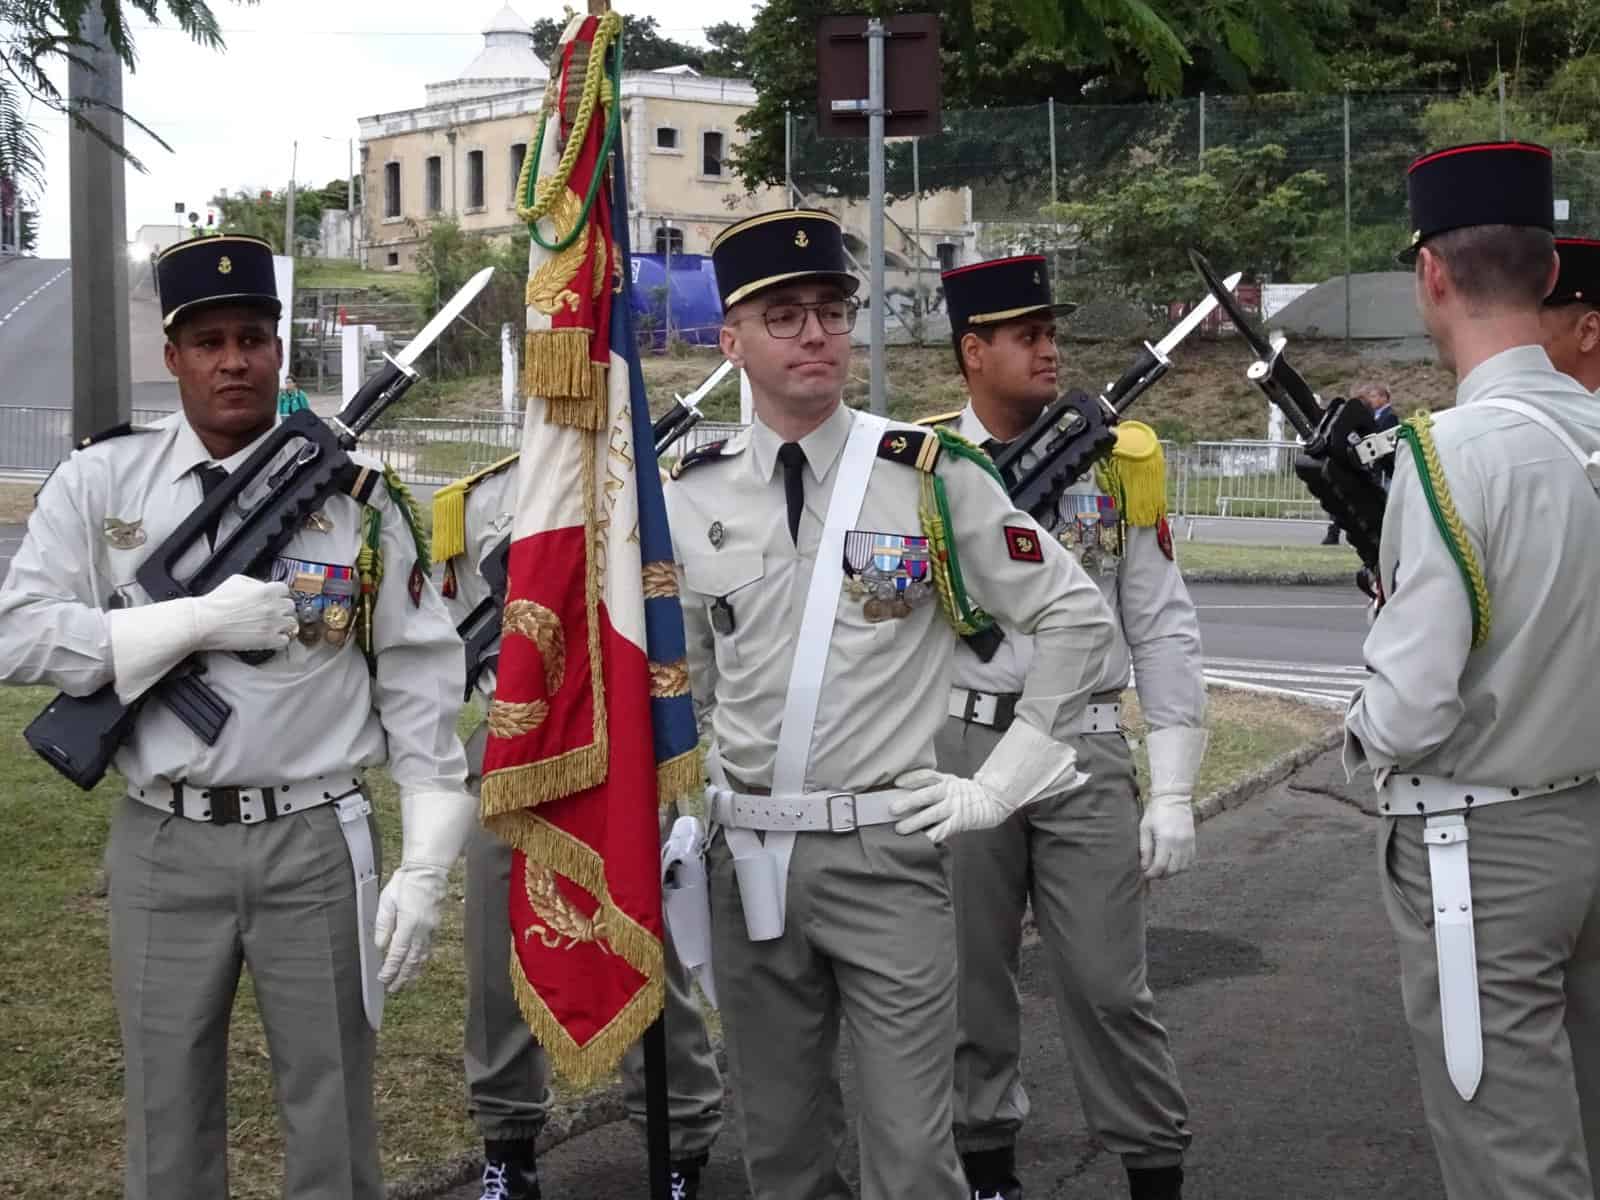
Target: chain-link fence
1289,188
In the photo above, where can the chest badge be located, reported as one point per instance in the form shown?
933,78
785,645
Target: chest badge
318,522
887,572
123,535
715,535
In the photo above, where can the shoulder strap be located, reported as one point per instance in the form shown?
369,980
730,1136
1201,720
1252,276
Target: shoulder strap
1589,462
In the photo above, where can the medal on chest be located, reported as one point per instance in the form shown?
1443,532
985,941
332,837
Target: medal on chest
1092,529
888,573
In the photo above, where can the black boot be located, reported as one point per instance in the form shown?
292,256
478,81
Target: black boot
685,1177
1155,1183
992,1174
510,1171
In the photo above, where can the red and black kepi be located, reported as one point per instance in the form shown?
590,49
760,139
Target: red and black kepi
1000,290
1485,183
1579,281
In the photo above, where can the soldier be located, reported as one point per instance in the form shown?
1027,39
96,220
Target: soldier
508,1096
1571,312
825,557
1477,716
245,853
1083,857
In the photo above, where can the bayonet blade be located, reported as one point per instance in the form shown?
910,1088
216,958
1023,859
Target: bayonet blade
1185,327
1224,297
442,319
692,400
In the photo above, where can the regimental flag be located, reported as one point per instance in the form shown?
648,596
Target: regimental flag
591,728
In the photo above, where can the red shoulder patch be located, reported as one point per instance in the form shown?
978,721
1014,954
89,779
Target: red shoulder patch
1023,544
1164,538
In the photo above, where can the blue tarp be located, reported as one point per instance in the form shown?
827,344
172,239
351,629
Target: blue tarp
691,293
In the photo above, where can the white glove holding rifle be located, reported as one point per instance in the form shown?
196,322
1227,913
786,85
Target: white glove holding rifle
240,613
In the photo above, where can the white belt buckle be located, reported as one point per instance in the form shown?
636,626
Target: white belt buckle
834,825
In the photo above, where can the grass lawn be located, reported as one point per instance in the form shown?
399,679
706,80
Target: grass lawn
16,502
346,275
61,1070
1247,564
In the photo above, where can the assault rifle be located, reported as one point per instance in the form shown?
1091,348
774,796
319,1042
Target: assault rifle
1345,458
297,466
1078,430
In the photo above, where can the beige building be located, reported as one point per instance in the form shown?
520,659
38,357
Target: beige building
461,152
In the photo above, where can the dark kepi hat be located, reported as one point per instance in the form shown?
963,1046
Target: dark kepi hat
780,247
205,271
1579,281
1002,289
1485,183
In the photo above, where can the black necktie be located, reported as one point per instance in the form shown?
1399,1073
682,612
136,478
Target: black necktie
211,478
992,447
794,485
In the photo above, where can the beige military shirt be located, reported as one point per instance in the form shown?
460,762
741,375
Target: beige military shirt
1156,635
1523,709
311,709
885,683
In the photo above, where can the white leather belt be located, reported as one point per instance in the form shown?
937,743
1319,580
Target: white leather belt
998,710
810,812
246,805
1407,794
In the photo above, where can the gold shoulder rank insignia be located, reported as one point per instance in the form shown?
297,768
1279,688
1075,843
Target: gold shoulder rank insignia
940,418
910,447
709,452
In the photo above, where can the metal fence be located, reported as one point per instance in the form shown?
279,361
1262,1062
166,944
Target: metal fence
33,440
1238,479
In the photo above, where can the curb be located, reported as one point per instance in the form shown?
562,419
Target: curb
605,1107
1275,772
1269,579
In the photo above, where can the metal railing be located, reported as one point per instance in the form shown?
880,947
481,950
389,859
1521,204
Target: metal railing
1237,479
33,440
1246,479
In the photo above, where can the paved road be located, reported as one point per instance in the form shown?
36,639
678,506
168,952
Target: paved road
1275,974
1303,642
36,362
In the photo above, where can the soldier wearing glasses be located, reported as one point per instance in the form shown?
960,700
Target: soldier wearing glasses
824,560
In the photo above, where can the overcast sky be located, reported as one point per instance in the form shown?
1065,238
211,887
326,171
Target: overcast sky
293,70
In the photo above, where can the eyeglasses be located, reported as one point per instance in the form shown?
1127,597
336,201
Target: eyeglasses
788,320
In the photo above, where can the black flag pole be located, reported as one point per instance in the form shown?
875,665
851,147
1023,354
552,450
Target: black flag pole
655,1108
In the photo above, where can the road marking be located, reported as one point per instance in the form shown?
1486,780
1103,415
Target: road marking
18,306
1270,607
1318,683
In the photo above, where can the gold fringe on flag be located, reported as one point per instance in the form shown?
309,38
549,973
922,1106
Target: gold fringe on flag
545,845
682,775
556,366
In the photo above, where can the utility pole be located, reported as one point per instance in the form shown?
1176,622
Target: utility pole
876,389
101,391
288,204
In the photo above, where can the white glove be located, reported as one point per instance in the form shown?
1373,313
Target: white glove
434,830
240,613
1166,831
1024,765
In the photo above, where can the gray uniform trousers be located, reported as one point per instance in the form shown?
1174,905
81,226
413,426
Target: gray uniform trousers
191,904
1076,856
508,1094
1532,1130
869,938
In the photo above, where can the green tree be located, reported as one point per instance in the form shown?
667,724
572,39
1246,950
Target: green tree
261,214
449,256
1247,210
991,57
729,53
642,44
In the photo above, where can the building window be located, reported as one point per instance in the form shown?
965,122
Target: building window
669,240
434,176
711,154
947,255
393,258
666,138
391,189
474,179
519,152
